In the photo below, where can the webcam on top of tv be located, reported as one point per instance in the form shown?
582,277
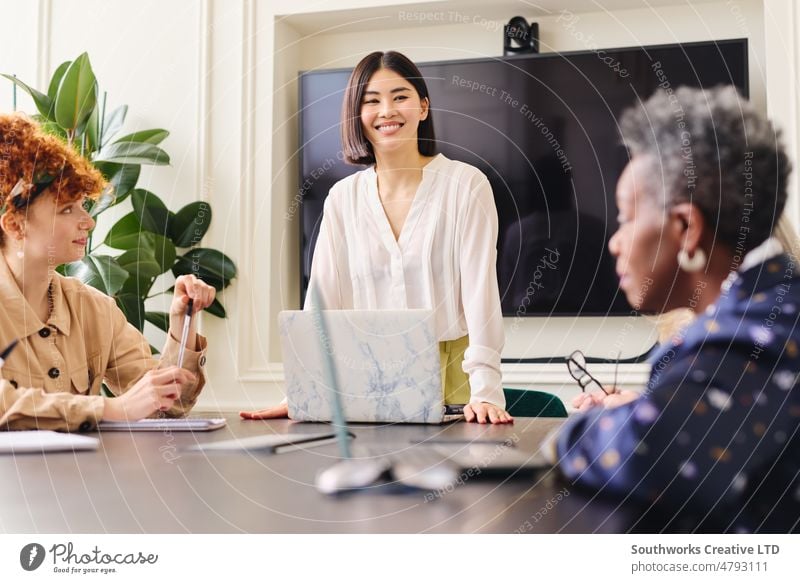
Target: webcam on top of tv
520,37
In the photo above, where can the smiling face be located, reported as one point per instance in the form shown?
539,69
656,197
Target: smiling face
56,232
645,245
391,111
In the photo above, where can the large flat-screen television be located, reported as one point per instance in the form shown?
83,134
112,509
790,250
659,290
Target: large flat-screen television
543,128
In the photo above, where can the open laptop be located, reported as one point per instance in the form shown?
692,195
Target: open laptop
385,363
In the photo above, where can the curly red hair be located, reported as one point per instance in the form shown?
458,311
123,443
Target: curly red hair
27,153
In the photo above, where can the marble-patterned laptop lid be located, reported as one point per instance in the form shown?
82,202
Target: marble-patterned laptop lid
385,363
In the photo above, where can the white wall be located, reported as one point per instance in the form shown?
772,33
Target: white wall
19,47
221,76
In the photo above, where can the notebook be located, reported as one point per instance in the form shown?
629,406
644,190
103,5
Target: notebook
385,362
181,424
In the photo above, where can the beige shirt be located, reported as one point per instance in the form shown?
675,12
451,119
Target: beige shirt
52,379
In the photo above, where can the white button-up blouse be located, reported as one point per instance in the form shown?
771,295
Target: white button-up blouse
444,260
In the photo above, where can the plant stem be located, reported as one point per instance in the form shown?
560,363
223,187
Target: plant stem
14,95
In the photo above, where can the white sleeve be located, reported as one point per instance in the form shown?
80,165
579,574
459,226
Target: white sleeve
480,295
329,272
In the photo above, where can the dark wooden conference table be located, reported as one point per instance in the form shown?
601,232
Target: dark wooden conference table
149,483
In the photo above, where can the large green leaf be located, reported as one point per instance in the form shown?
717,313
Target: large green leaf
160,248
140,263
99,271
158,319
151,211
92,133
106,199
133,308
216,309
190,224
77,94
43,103
55,80
125,233
128,234
113,122
133,153
212,266
155,136
123,177
138,285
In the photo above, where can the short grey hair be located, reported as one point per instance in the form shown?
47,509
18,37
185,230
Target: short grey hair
714,149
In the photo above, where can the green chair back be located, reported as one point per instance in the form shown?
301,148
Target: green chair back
527,403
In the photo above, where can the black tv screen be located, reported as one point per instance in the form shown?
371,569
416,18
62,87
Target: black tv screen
543,128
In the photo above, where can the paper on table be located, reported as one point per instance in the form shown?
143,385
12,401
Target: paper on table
41,441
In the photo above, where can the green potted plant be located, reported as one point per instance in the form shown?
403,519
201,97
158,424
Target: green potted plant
151,239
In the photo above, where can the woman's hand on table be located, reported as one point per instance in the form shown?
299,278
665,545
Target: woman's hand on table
486,412
280,411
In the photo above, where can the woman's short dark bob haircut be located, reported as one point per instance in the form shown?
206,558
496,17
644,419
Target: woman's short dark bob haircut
357,149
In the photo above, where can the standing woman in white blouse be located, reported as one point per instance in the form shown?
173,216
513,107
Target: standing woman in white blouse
415,230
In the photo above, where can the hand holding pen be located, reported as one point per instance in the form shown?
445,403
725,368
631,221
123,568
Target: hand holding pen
160,388
188,288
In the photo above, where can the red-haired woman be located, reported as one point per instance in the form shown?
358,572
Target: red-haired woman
72,338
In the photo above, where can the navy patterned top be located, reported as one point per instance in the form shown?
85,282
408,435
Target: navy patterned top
714,440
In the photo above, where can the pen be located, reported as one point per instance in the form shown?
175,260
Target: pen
7,351
185,334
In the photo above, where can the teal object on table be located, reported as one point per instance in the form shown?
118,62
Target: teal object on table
527,403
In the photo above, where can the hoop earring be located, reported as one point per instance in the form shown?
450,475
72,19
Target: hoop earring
691,264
